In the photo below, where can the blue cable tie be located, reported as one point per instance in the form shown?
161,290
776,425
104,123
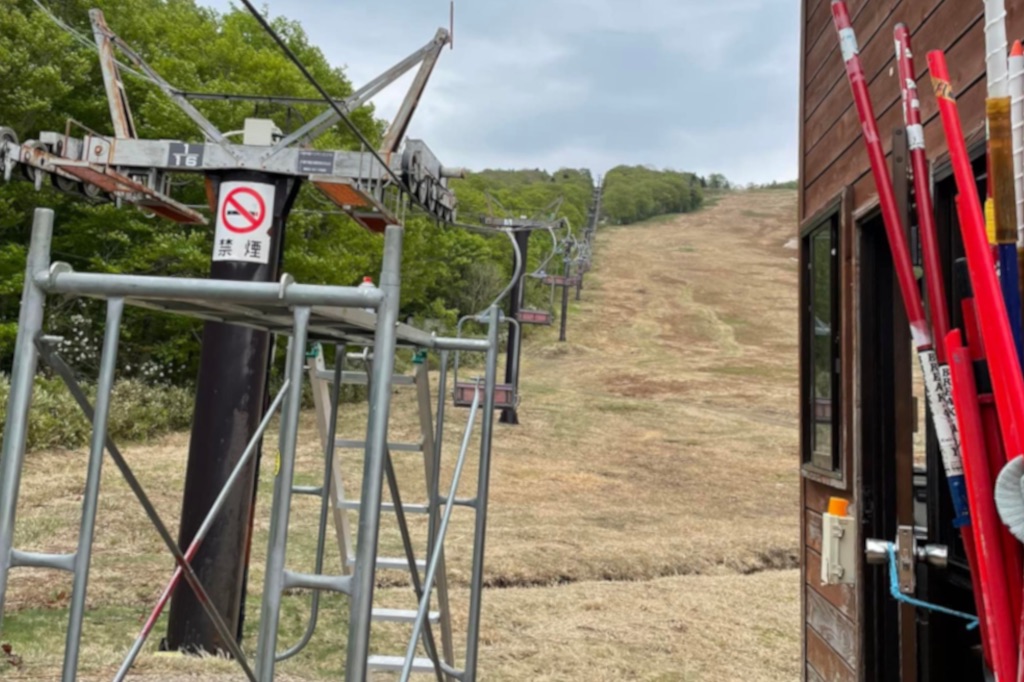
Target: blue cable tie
894,589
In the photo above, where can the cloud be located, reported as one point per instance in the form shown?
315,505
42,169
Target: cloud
688,84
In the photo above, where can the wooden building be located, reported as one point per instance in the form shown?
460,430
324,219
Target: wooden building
858,412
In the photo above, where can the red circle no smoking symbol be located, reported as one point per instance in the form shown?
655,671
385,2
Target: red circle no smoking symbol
243,210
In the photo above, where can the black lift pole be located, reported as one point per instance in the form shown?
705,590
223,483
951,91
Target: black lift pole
230,402
565,298
515,302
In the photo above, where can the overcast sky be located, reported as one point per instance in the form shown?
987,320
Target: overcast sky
701,85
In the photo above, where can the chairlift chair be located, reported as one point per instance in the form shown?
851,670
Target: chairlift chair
506,396
535,315
560,280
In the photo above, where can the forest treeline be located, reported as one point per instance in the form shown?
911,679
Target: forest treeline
635,193
51,75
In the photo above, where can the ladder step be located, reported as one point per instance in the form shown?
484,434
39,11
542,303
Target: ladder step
390,507
395,663
402,616
394,447
394,563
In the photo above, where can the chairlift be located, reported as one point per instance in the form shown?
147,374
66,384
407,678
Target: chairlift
535,315
560,280
506,396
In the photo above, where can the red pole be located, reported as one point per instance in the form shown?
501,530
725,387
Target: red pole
985,524
925,212
1007,383
886,196
996,457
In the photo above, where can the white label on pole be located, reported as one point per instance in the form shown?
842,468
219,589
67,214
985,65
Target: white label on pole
937,390
915,136
245,212
848,44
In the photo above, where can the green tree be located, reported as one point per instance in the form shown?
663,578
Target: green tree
52,77
634,193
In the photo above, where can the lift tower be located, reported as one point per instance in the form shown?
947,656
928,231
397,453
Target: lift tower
521,228
251,188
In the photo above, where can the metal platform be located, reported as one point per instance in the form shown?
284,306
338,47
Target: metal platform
38,161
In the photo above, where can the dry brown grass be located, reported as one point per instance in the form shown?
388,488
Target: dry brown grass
654,470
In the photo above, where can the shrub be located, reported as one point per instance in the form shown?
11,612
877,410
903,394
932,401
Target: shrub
137,412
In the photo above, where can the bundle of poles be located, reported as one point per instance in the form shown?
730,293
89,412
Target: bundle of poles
972,375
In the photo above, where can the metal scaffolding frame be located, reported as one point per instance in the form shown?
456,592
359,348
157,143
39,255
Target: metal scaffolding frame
303,313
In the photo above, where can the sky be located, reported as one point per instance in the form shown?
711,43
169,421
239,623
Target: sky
696,85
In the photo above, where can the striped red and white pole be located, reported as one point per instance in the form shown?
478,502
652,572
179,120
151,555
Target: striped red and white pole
1010,563
925,212
932,268
886,196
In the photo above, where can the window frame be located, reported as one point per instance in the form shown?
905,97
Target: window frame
821,465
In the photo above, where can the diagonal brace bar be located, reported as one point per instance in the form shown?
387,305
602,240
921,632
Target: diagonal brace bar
67,374
396,131
319,125
204,123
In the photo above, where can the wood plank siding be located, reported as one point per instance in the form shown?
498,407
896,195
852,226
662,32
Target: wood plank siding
835,175
833,155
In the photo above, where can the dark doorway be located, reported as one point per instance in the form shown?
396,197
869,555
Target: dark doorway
878,360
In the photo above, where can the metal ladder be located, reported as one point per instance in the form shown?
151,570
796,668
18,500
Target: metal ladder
324,398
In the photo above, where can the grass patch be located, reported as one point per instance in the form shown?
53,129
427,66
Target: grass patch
659,219
621,408
711,199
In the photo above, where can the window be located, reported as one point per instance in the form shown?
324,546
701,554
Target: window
821,343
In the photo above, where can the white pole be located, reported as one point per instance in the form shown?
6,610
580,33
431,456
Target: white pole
1017,117
996,49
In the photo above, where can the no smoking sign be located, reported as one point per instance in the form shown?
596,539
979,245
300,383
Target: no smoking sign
245,212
